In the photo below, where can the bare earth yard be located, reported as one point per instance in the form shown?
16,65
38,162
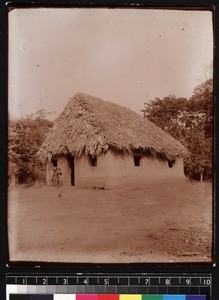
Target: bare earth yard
163,223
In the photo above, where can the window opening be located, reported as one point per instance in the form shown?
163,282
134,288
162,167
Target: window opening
54,162
171,163
93,160
137,159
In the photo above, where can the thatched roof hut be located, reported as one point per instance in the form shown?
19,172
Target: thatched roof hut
89,125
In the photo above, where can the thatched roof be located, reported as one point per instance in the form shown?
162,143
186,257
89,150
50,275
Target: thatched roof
89,125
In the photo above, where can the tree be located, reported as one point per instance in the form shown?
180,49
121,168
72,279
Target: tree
25,136
191,122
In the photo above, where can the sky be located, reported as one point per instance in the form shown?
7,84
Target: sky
126,56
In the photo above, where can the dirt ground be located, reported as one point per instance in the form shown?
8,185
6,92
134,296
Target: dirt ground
166,223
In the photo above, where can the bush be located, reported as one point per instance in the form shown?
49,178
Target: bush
25,136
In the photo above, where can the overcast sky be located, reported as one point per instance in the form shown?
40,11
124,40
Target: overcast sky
127,56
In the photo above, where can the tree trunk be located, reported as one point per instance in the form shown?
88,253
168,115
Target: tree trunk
201,177
13,182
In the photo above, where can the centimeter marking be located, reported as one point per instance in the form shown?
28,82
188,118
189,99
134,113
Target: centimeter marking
112,280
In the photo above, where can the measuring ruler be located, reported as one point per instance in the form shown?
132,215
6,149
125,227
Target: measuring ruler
144,286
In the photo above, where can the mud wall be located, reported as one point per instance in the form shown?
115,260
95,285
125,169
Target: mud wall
89,176
115,169
150,171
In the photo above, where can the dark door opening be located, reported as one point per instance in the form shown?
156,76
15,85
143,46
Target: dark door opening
72,166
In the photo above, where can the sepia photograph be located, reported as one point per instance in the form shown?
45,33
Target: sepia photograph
110,135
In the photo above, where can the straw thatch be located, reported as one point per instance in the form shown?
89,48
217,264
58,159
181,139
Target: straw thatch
89,125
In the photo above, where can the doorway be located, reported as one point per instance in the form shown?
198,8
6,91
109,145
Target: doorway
70,159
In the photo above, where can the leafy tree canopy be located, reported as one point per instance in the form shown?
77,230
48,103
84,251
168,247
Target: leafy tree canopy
25,136
191,122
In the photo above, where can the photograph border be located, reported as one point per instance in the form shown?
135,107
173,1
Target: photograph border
45,263
11,267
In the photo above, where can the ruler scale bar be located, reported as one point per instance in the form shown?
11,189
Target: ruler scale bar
124,287
146,280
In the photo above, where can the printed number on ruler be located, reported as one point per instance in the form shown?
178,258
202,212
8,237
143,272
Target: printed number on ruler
207,281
